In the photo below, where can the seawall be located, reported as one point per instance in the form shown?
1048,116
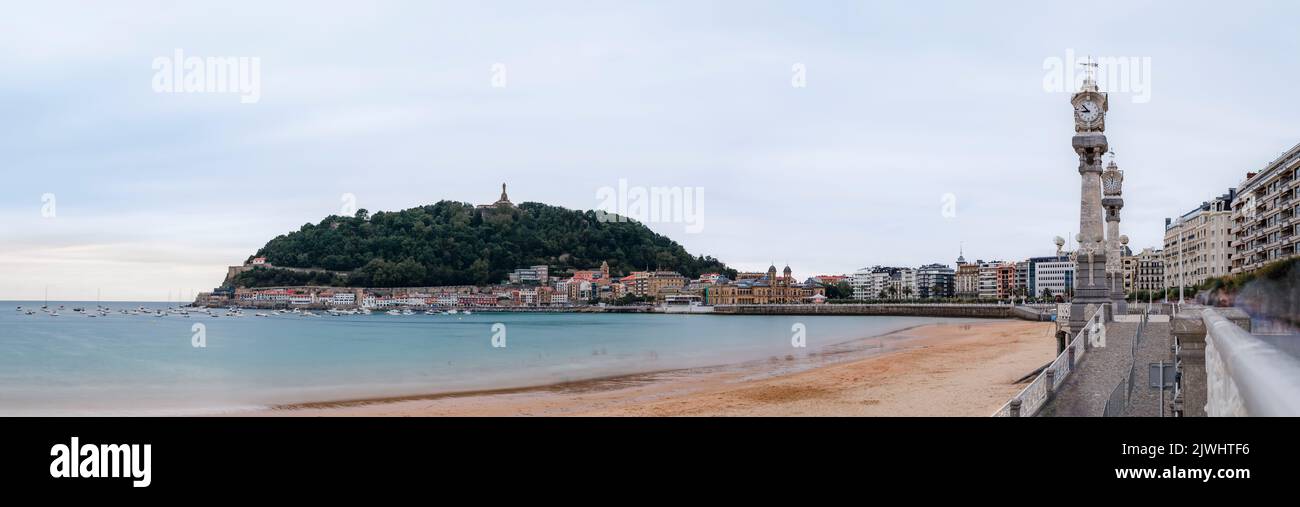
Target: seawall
901,310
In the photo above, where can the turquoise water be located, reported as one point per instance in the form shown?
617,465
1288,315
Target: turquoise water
141,364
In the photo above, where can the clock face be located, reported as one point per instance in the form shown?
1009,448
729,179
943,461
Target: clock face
1111,184
1088,111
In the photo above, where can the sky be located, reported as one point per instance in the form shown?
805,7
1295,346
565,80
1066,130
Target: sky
828,136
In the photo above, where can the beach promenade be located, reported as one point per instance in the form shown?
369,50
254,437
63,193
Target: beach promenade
1085,392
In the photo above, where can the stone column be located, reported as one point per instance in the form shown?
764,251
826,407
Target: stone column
1090,291
1115,254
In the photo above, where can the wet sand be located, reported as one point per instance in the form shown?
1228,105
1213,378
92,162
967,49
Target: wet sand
931,370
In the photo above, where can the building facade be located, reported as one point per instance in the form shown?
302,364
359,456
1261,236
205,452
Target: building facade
770,289
935,281
1264,214
966,280
1052,276
1198,244
1145,272
988,279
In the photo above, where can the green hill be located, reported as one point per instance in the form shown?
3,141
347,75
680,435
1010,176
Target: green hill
453,243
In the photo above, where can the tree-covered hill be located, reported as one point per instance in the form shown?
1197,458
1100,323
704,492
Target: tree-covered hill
453,243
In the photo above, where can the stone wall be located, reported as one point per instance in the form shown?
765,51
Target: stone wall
903,310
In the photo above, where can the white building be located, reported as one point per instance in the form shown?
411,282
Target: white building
988,280
344,299
1055,274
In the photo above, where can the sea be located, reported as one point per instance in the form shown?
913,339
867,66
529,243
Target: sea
137,363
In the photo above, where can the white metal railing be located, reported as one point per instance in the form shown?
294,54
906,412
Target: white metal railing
1031,399
1247,376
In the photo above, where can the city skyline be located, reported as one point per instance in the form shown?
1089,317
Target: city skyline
158,192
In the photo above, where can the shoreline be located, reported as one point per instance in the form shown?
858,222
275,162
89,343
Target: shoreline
902,365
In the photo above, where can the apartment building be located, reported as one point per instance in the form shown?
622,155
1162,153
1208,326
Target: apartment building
1051,276
988,279
1144,272
1264,214
1198,244
934,281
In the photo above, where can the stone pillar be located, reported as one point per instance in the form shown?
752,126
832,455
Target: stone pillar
1115,254
1090,291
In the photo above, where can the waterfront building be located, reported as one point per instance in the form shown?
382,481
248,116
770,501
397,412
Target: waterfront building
344,298
770,289
1264,214
935,281
1006,281
1051,276
1198,243
966,279
988,279
1023,288
860,282
652,283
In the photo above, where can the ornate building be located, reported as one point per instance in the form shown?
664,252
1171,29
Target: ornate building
770,289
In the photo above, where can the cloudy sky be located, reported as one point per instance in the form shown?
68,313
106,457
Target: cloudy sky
403,103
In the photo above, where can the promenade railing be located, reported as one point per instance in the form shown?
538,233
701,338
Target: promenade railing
1245,375
1034,396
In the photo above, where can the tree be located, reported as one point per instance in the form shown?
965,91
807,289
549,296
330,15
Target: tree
839,290
452,243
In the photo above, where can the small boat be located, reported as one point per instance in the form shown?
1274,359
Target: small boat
393,312
54,313
408,312
467,312
260,314
452,311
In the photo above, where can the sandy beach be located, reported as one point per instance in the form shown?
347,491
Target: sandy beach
930,370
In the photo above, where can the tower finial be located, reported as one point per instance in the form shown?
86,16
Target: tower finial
1089,76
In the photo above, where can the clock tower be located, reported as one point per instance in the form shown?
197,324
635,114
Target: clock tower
1090,280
